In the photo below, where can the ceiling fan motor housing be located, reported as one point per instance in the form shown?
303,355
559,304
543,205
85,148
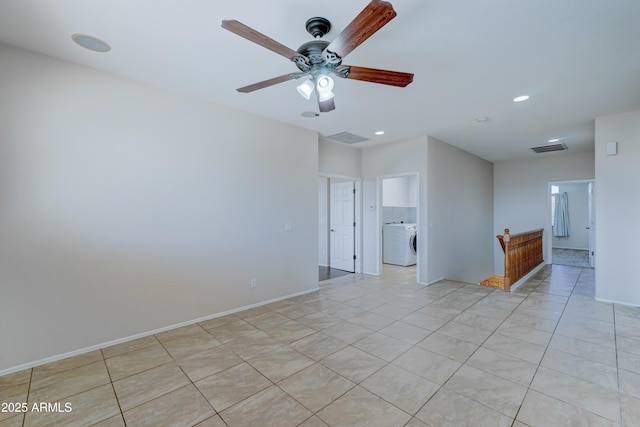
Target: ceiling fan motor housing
313,50
318,27
316,60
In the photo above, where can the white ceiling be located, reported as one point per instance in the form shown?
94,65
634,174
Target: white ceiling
577,59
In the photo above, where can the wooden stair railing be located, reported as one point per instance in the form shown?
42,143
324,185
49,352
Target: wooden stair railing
522,253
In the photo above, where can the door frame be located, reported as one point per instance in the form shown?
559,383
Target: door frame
358,215
591,190
592,215
422,238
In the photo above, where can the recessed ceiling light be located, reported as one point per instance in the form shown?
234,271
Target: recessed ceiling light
91,43
521,98
554,140
482,119
309,114
379,132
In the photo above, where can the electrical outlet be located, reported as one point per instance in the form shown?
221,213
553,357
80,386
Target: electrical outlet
253,283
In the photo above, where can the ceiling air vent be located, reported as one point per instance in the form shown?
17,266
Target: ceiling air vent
549,148
347,138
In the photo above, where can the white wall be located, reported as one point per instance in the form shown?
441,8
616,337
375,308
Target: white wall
339,159
618,209
398,215
124,208
460,214
400,191
520,198
578,197
400,199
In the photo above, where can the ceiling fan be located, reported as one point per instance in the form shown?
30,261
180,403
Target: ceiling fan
319,58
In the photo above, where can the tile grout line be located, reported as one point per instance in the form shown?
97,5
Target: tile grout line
174,360
24,416
515,418
505,319
468,357
547,347
113,388
615,340
387,363
316,306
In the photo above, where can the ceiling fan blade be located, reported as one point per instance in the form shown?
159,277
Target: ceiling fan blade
385,77
252,35
270,82
326,106
373,17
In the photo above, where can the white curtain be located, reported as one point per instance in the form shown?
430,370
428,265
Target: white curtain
561,226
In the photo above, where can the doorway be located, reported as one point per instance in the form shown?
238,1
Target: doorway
572,223
398,223
339,226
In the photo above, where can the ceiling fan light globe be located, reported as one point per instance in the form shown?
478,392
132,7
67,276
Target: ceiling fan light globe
305,89
325,84
325,96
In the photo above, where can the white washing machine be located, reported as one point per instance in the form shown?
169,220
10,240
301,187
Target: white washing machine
399,244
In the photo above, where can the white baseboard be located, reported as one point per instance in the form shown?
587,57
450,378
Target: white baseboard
431,282
628,304
527,276
574,249
145,334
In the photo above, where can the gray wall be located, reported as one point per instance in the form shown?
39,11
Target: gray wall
618,209
124,209
403,157
454,208
460,214
521,194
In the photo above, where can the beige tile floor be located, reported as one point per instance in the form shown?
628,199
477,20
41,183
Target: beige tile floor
366,351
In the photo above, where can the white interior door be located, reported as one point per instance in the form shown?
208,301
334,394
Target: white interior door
342,231
591,226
